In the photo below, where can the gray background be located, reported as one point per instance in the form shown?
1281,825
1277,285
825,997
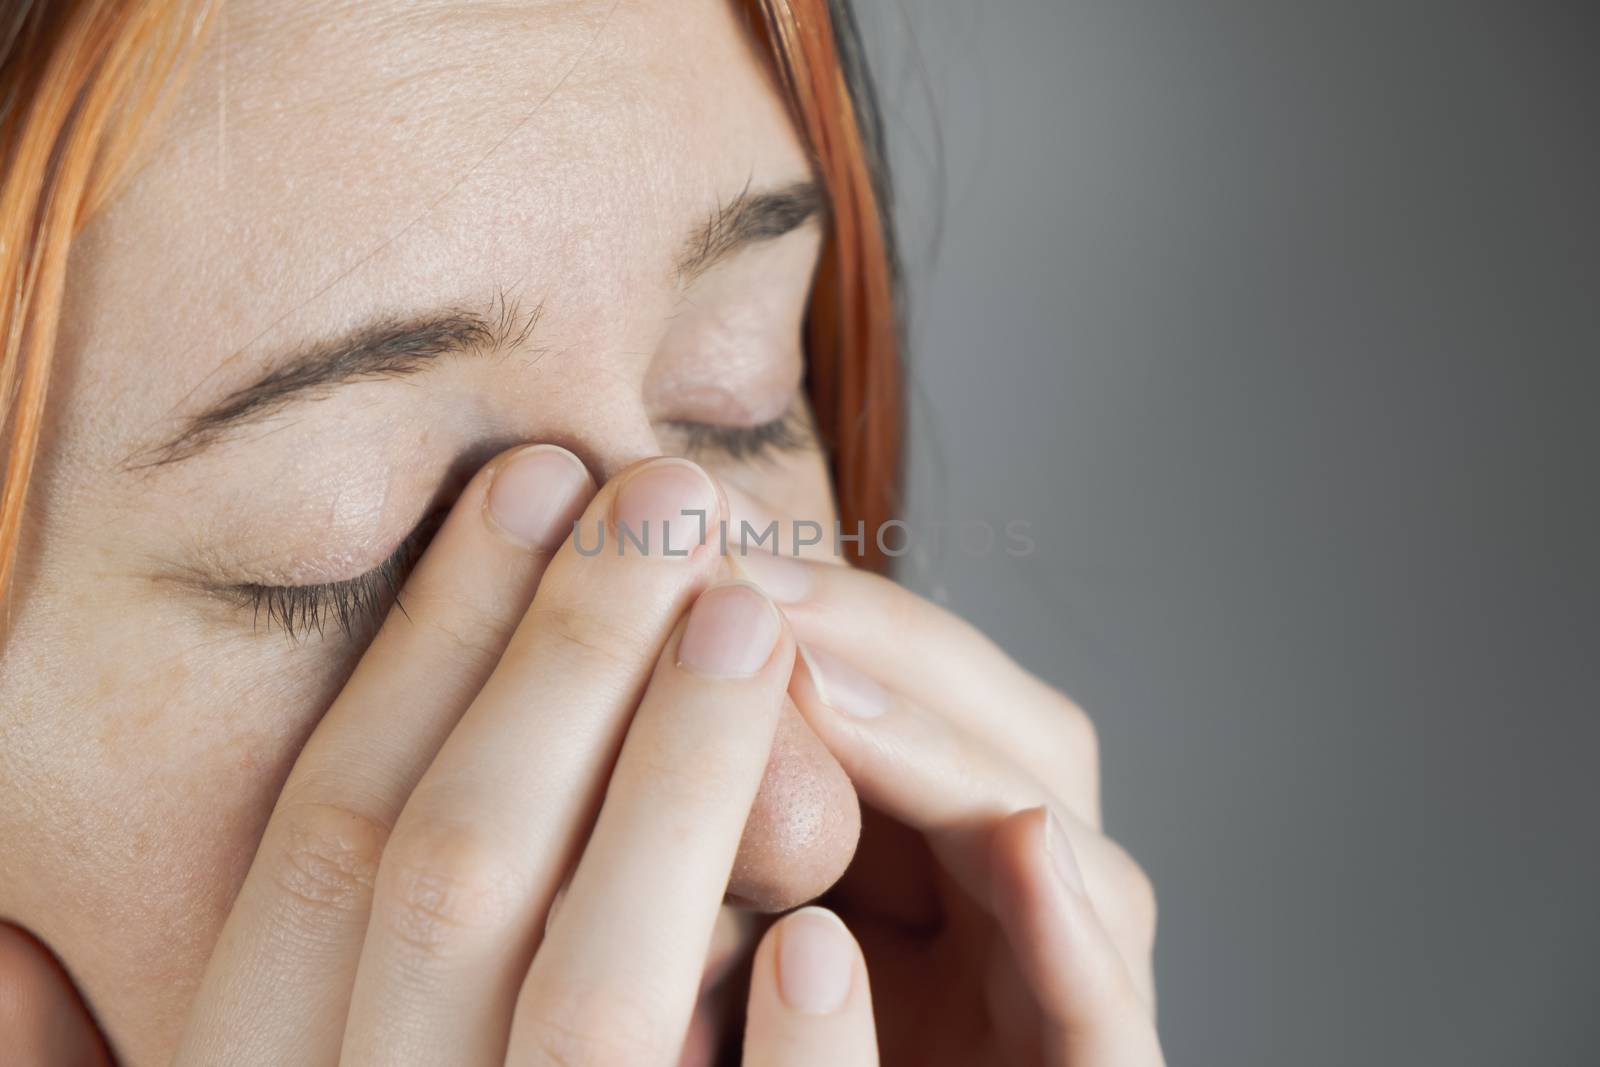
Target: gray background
1279,322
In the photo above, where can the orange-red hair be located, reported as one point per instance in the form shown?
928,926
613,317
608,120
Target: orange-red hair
80,80
853,335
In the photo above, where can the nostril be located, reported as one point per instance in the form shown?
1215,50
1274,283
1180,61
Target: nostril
803,826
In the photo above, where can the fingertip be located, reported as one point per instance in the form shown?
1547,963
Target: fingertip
1061,948
840,687
809,998
534,495
733,630
817,961
665,493
1023,849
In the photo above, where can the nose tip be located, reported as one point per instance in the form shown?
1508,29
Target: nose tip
803,826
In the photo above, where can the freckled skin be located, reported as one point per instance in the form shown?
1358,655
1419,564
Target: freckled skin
380,158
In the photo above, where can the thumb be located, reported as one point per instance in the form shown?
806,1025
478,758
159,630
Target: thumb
43,1022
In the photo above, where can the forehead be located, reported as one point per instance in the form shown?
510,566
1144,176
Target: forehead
325,162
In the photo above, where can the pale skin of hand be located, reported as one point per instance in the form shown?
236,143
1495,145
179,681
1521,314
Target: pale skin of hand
401,906
987,787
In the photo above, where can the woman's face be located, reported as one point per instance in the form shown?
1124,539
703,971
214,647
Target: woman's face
372,245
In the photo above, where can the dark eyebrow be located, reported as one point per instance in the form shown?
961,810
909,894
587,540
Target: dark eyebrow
747,219
388,348
398,347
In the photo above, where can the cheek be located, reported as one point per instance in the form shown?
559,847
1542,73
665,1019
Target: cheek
131,805
149,788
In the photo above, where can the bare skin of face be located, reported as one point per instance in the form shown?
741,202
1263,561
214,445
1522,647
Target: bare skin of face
545,169
252,808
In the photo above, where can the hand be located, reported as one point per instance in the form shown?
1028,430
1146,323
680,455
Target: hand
538,718
809,999
535,718
1000,925
813,1007
42,1019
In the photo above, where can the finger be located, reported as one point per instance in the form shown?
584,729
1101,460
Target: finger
940,662
1094,1013
278,984
809,998
922,770
43,1021
499,817
618,972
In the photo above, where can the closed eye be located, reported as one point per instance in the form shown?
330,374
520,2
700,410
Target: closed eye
789,432
355,606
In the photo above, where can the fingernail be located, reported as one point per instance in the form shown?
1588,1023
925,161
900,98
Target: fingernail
537,494
814,962
665,508
844,688
786,579
731,632
1062,857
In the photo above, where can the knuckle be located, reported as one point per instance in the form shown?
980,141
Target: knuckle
701,786
443,881
1081,737
1134,907
327,857
558,1045
472,625
909,613
584,632
572,1029
475,636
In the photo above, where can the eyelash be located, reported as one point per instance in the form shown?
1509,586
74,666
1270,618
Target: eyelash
357,604
353,605
789,432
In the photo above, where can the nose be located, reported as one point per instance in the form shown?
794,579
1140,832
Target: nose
609,446
803,827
